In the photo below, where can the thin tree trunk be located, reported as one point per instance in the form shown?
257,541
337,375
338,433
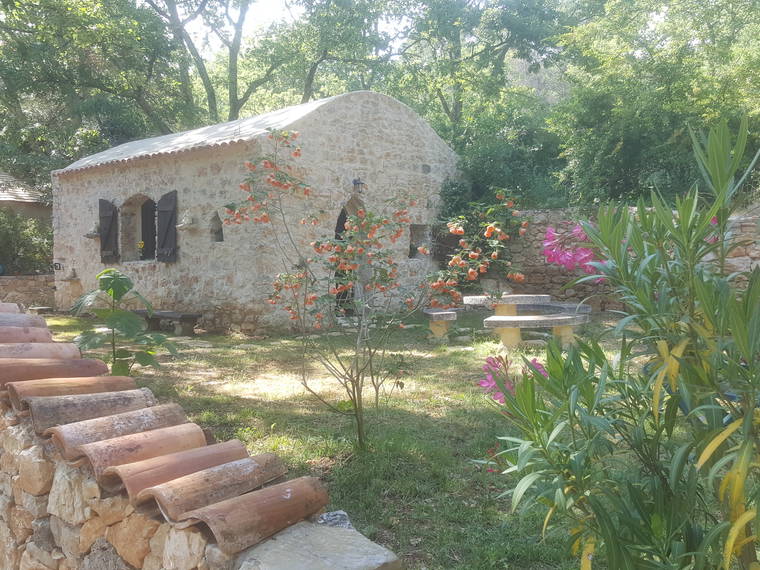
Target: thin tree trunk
308,86
234,54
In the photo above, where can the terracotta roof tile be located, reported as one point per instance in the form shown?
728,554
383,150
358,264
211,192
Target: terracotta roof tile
20,391
21,320
25,334
155,454
39,350
69,437
144,445
248,519
213,485
17,369
9,308
49,411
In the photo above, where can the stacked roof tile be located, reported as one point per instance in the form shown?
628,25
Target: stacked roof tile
148,451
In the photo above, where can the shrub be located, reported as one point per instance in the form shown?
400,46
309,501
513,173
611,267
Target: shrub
648,457
27,244
125,335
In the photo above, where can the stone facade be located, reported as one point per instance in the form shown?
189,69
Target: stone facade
358,135
28,290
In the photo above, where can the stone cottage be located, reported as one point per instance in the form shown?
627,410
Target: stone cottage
153,208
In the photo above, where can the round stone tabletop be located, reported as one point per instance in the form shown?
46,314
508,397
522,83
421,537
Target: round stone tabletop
506,300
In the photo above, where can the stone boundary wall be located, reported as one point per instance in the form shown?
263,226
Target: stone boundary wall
544,278
28,290
54,516
548,279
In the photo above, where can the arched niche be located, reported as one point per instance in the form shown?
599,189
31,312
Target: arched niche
138,228
216,228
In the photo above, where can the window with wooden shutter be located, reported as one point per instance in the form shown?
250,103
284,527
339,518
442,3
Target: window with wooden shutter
109,232
166,242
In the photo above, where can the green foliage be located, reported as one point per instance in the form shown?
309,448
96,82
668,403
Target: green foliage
639,74
648,455
126,336
27,244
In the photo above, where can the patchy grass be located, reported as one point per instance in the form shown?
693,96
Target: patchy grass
416,490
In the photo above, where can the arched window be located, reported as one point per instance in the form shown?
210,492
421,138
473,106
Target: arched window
138,229
216,228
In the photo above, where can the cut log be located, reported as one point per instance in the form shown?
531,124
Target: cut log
25,334
60,350
19,391
138,446
69,437
49,411
213,485
143,474
9,308
18,369
21,320
246,520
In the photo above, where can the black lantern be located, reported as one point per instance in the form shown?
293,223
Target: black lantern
359,186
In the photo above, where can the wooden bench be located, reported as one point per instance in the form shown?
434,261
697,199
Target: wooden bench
184,323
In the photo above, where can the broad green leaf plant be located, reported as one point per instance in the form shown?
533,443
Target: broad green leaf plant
120,329
648,457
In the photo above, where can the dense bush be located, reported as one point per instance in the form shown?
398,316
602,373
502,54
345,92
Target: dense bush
26,244
648,456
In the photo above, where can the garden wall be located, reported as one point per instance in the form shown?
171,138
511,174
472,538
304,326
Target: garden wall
29,290
541,277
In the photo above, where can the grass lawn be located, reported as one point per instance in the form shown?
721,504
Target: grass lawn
416,491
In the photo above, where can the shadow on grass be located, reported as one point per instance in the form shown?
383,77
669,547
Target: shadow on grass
415,490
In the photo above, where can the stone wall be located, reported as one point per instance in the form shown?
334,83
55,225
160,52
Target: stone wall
543,278
744,230
28,290
364,135
54,516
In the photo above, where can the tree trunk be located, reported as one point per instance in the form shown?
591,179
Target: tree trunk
308,86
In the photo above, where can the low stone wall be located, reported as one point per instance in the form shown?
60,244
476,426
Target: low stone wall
28,290
54,516
544,278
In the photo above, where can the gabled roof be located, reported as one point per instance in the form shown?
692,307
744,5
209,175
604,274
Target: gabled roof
231,132
14,190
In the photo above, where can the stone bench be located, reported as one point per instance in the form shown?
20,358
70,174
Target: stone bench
184,323
440,321
39,310
562,324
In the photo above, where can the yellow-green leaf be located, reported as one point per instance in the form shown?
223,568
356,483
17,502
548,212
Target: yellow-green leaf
588,553
733,533
717,441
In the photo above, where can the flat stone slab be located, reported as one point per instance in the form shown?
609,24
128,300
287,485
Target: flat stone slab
530,321
554,307
440,314
487,300
318,547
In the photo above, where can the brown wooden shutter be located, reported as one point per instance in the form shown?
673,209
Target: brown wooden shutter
109,231
166,230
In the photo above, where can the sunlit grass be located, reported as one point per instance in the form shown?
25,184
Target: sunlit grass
417,490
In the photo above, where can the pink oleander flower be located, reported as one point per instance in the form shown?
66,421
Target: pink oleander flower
497,367
714,220
539,367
